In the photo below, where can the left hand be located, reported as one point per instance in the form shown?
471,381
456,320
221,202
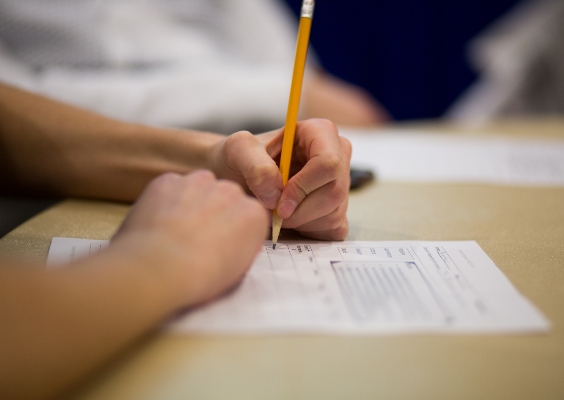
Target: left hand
314,201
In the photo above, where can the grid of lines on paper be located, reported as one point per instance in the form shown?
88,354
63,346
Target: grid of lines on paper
288,286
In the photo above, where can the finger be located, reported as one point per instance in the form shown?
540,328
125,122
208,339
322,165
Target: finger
339,233
247,157
318,204
330,221
325,160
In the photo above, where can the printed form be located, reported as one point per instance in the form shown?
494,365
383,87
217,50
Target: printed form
357,288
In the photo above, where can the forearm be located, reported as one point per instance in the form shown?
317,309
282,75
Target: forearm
58,326
54,149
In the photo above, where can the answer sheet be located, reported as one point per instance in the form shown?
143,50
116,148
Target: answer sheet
356,288
430,157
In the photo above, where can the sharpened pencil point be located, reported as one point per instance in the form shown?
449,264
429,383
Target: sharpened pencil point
293,105
276,226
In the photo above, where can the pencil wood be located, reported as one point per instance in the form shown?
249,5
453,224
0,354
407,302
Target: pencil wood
293,105
276,226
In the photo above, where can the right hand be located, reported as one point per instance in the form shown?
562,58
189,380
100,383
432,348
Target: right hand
314,201
198,233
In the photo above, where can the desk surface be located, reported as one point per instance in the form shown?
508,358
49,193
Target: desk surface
520,228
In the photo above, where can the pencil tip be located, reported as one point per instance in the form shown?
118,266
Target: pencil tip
276,225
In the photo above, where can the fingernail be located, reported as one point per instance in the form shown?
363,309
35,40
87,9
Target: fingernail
287,208
270,199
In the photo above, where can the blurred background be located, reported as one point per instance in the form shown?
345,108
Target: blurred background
414,55
225,65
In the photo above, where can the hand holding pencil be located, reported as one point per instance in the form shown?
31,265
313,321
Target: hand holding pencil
314,201
293,105
309,191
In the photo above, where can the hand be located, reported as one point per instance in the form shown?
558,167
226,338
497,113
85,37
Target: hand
314,201
343,103
197,233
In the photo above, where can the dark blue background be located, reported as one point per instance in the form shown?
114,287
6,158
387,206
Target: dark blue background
410,54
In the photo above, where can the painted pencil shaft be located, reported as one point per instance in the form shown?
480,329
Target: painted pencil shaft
294,102
293,105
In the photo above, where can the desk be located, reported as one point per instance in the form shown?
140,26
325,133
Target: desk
521,229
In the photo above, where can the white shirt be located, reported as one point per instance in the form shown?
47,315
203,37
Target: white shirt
219,65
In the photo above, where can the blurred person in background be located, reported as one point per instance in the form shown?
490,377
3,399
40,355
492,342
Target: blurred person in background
520,61
220,65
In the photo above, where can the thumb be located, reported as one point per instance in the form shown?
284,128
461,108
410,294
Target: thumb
249,160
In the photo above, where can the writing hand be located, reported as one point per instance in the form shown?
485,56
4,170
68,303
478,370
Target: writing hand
314,201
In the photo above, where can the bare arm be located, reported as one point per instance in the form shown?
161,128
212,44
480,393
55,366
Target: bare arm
59,325
50,148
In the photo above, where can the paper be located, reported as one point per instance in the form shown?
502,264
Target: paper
65,250
358,288
427,157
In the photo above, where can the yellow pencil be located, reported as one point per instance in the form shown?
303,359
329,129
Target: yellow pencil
306,16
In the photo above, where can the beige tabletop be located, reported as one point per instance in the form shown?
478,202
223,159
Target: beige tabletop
520,228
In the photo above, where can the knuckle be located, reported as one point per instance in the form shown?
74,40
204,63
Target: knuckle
161,183
336,218
338,190
325,124
260,173
236,141
332,164
341,232
341,191
239,150
202,175
166,178
346,146
239,137
229,190
197,180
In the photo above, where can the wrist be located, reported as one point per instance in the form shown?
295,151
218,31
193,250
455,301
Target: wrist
136,154
143,273
180,151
